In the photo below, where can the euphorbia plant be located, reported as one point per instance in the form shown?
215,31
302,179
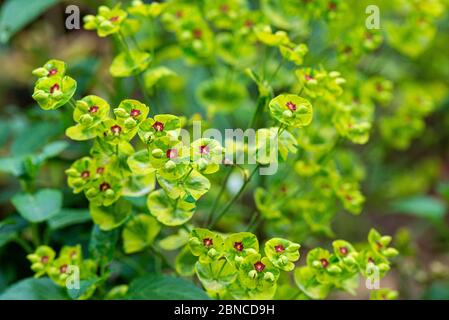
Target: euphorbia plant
243,234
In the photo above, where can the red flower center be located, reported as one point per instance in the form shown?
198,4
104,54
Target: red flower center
207,242
171,153
158,126
105,186
52,72
308,77
379,87
259,266
324,262
93,109
179,14
116,129
85,174
224,8
291,106
344,251
44,259
100,170
332,6
197,33
63,268
279,248
114,19
349,197
204,149
134,113
371,260
238,246
249,23
54,87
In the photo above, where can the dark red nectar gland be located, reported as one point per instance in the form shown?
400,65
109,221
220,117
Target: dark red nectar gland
179,14
224,8
105,186
63,268
291,106
207,242
100,170
238,246
324,262
52,72
197,33
93,109
308,77
249,23
171,153
158,126
259,266
114,19
134,113
279,248
116,129
44,259
332,6
204,149
85,174
344,250
54,88
371,260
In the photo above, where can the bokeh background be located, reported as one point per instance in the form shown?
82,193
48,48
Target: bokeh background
406,184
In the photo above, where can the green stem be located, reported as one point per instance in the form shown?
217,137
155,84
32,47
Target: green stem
35,235
25,246
163,258
253,219
234,199
217,199
257,111
281,62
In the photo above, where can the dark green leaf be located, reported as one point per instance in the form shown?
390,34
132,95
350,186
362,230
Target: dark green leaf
102,245
40,206
33,289
68,217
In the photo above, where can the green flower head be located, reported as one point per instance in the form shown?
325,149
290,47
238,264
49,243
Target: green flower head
258,273
162,125
131,113
379,244
54,92
107,21
170,158
104,191
152,10
239,245
291,110
59,270
206,245
282,253
265,35
81,174
115,131
207,155
41,260
51,68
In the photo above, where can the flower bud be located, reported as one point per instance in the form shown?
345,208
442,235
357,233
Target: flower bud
334,269
37,266
293,247
157,153
57,94
383,267
130,123
170,165
316,264
78,182
302,110
92,192
334,74
268,276
82,105
385,240
349,260
109,193
283,259
390,252
107,25
88,18
287,114
40,95
86,119
120,112
40,72
202,164
238,259
103,10
212,253
252,274
72,173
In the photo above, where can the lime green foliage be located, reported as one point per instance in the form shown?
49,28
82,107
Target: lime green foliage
326,271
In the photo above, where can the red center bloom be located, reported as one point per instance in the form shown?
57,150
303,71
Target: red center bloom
134,113
308,77
279,248
116,129
100,170
171,153
179,14
44,259
63,268
344,251
105,186
324,262
238,246
52,72
93,109
85,174
197,33
204,149
291,106
114,19
259,266
332,6
54,87
249,23
207,242
224,8
158,126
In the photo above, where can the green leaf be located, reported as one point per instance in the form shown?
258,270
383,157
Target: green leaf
12,165
34,289
421,206
112,216
185,262
102,245
125,65
160,287
154,75
68,217
26,143
40,206
167,211
175,241
16,14
139,233
85,287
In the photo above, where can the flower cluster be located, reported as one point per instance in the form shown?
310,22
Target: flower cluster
231,266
